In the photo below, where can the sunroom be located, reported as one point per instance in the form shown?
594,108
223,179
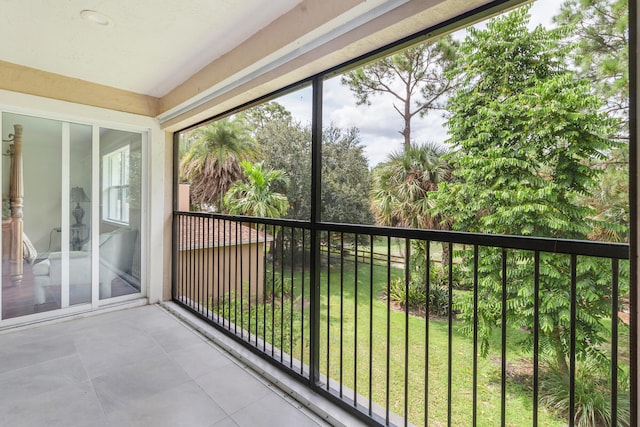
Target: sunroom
395,317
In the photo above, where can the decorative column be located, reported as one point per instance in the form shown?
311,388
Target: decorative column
16,195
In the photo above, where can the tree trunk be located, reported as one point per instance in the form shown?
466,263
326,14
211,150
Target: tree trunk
406,132
446,256
561,360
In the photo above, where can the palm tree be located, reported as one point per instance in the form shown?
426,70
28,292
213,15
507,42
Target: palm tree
212,160
255,197
402,185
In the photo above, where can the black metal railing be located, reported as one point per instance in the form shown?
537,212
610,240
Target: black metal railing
419,327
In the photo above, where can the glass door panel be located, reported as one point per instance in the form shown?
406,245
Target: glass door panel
80,214
120,212
31,215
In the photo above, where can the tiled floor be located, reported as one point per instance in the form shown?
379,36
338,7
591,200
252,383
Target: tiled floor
134,367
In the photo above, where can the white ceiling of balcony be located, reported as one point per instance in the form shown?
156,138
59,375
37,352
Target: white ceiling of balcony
152,47
149,46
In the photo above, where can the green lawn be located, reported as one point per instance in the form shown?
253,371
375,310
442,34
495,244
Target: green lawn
349,300
518,400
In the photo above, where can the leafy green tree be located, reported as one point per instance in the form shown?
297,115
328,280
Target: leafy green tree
255,197
525,128
345,177
286,146
414,78
211,163
601,53
261,115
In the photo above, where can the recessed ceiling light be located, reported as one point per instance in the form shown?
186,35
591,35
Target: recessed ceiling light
95,17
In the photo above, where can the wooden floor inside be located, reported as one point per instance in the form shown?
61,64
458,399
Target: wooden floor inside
19,300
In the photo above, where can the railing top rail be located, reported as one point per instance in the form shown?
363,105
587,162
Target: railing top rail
248,219
528,243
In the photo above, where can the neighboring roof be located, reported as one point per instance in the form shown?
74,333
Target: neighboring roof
199,232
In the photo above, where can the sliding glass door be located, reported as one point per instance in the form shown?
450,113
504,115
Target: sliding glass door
71,214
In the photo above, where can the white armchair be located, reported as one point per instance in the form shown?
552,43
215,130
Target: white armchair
116,255
49,272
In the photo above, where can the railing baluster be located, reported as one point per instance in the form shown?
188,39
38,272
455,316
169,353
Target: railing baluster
264,292
503,340
292,245
536,333
206,268
388,337
450,337
229,272
273,290
260,285
328,307
355,324
199,265
614,341
302,304
241,245
371,326
282,231
475,335
407,284
341,311
224,270
427,281
220,274
250,284
192,256
572,350
237,244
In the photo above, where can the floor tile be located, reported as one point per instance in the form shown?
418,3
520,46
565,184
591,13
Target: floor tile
176,338
38,379
101,351
135,367
75,405
200,359
232,387
17,356
184,405
119,388
272,410
226,422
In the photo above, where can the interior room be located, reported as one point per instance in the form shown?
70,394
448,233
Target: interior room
50,265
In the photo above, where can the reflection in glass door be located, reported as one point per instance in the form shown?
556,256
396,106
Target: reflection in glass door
120,212
46,215
31,214
78,242
60,228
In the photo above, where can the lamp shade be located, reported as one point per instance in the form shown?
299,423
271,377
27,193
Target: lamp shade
78,195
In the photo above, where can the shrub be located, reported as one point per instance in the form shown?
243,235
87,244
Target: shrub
275,285
416,298
592,394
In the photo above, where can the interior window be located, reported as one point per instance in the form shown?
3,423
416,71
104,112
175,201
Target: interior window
116,185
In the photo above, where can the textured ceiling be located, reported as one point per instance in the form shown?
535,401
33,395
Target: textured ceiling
149,47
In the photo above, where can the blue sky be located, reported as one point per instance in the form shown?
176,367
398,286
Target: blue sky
379,123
